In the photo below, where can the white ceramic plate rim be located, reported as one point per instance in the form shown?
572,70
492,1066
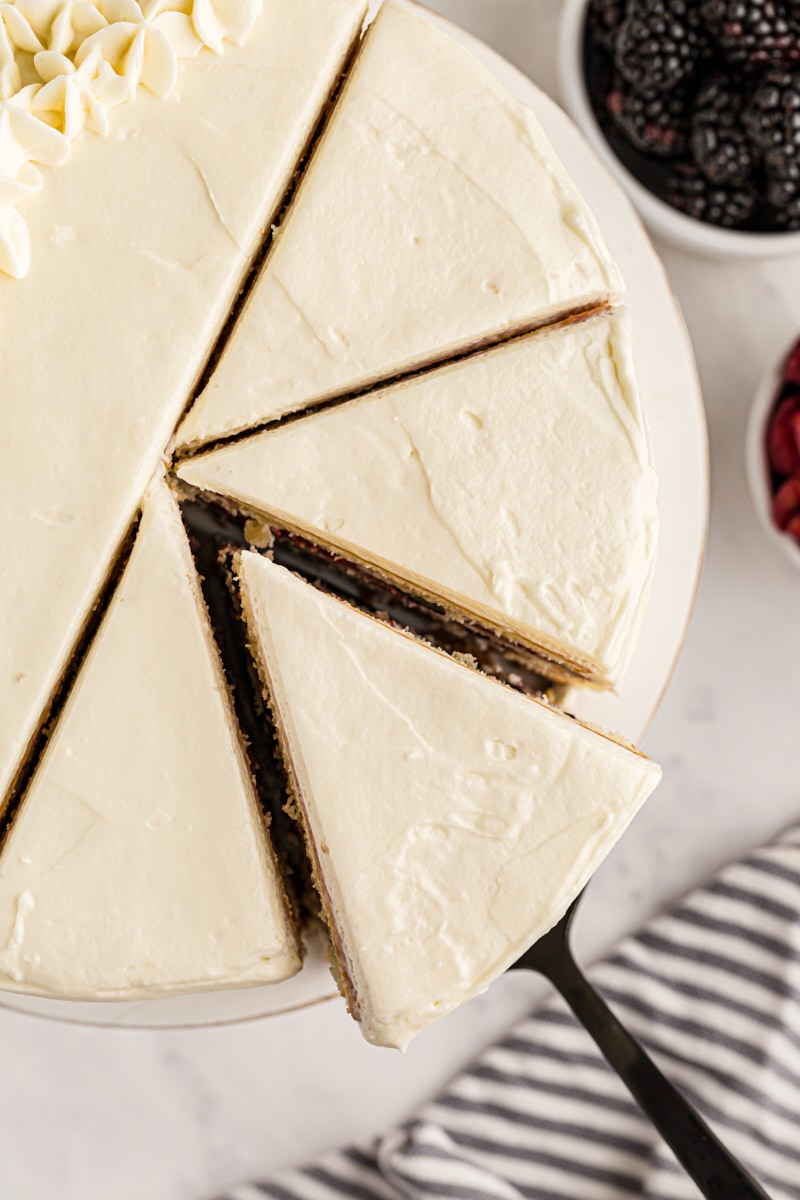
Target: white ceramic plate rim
674,404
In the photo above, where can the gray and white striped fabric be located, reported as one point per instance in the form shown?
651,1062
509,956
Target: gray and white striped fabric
712,989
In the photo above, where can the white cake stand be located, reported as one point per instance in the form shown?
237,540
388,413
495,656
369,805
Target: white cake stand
674,408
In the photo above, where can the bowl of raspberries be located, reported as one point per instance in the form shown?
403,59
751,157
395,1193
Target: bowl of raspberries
695,106
773,453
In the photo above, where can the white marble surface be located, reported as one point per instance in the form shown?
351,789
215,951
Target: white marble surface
91,1114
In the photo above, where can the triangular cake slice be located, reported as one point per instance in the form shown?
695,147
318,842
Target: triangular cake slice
450,819
139,864
140,243
434,216
515,486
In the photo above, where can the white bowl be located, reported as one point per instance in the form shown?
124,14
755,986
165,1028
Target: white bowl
758,472
665,221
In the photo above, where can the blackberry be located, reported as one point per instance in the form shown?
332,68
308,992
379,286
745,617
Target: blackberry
605,18
772,119
659,44
655,124
755,32
720,145
691,193
787,219
784,200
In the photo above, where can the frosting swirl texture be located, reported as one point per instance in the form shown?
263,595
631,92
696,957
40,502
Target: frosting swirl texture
65,64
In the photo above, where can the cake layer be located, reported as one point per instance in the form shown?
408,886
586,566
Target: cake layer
140,242
515,486
434,216
139,864
451,819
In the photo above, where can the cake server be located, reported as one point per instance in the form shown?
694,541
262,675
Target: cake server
717,1173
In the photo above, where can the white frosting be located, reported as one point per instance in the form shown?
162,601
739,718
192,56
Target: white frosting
24,139
138,864
83,59
453,819
141,243
434,215
516,485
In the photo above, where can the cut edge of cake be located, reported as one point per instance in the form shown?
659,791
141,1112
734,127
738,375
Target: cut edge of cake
556,669
294,806
206,474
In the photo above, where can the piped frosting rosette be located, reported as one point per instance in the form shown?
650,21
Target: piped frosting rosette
65,64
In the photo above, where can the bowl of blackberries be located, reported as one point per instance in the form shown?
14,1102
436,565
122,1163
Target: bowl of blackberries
695,106
773,453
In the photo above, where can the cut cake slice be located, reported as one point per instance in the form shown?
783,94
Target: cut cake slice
434,216
140,242
139,864
450,819
515,487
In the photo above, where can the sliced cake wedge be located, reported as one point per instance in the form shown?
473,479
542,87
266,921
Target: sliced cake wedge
515,487
139,863
450,819
434,216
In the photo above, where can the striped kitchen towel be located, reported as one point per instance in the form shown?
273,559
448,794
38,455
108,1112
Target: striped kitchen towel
712,989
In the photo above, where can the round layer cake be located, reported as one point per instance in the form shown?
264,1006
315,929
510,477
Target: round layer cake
348,268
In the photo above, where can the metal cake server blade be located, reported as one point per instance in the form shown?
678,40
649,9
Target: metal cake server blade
717,1173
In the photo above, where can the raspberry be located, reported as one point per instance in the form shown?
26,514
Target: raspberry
720,146
655,124
772,119
755,32
783,449
692,194
786,501
659,44
791,371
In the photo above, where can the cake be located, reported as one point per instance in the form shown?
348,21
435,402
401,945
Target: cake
434,216
451,820
140,243
515,486
139,864
255,261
